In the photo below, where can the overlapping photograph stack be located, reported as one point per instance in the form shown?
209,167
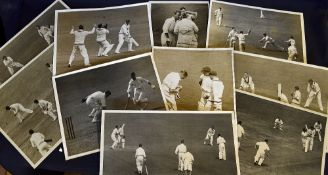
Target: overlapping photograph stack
167,87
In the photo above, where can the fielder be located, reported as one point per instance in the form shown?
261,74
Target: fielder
79,44
180,150
296,96
305,141
10,64
269,40
121,135
232,38
186,30
242,40
124,35
317,127
310,138
247,83
188,160
292,52
291,41
217,91
46,33
206,88
209,136
104,45
282,97
46,108
262,149
168,37
140,158
19,110
313,90
171,88
240,132
114,136
278,124
219,16
97,101
50,67
220,141
136,90
37,140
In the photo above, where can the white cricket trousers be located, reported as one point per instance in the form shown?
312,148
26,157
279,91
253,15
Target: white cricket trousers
83,52
47,37
170,98
20,114
121,39
203,103
259,157
311,97
104,47
319,134
209,138
219,21
43,148
115,141
180,161
222,152
172,39
139,162
11,68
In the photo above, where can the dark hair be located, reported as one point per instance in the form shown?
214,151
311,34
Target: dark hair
213,73
127,21
31,131
48,64
108,93
7,108
264,34
239,122
140,145
297,88
81,27
184,15
4,57
184,73
183,8
83,100
292,37
219,134
266,140
100,25
182,141
310,81
241,32
36,101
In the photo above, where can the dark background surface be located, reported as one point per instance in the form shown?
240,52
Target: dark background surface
15,14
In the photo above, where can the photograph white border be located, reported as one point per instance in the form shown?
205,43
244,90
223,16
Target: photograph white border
233,120
34,165
60,119
260,8
290,62
195,50
95,10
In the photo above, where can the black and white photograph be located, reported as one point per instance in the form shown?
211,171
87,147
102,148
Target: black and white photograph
297,84
166,143
196,79
278,139
28,117
126,84
179,23
88,37
28,42
257,30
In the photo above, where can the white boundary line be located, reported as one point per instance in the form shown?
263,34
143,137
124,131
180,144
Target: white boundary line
34,165
104,112
93,10
260,8
60,118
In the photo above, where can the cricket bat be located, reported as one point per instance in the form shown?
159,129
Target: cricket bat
146,170
127,103
48,140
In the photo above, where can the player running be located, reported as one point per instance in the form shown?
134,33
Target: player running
19,111
269,40
262,149
140,158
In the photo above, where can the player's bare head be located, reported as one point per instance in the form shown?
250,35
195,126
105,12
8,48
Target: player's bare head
264,34
108,93
100,25
266,140
48,64
182,141
176,15
241,32
36,101
127,21
133,76
116,126
140,145
310,81
184,15
291,37
304,129
83,100
297,88
219,135
183,9
7,108
206,70
245,74
81,27
213,74
183,74
37,26
4,57
240,122
318,122
31,131
233,28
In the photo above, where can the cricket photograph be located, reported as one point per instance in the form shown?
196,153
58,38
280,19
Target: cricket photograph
88,37
205,85
166,143
278,139
179,23
257,30
126,84
29,42
28,117
297,84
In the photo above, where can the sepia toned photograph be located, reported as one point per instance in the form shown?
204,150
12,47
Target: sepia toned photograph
28,117
179,23
297,84
257,30
196,79
127,84
278,139
183,143
88,37
28,42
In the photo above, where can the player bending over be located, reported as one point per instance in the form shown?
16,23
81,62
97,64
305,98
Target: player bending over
10,64
97,101
269,40
38,140
19,111
262,149
247,83
46,108
188,160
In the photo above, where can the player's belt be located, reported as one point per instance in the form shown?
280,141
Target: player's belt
79,44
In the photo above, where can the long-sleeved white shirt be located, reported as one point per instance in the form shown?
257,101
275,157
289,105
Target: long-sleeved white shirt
114,132
44,105
140,152
97,98
262,147
16,107
232,34
241,37
313,87
121,130
317,126
168,26
172,80
217,89
181,148
139,83
101,34
36,139
218,13
125,30
210,132
240,130
296,97
206,83
80,35
220,140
